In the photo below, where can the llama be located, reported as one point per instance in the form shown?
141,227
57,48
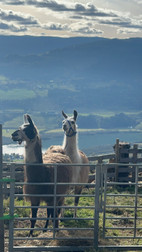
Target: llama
70,146
28,133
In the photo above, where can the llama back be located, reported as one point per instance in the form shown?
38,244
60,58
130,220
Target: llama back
55,149
64,172
86,169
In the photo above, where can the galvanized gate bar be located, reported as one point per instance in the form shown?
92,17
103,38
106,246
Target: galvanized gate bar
55,199
1,197
136,200
52,248
11,221
97,205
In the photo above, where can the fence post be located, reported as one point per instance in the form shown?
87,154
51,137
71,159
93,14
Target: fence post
1,197
11,212
135,156
116,148
97,206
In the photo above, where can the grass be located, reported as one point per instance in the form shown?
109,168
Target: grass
17,94
117,217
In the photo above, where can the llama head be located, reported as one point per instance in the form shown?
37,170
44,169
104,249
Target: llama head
69,124
26,132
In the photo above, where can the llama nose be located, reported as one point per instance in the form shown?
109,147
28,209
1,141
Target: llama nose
14,134
64,127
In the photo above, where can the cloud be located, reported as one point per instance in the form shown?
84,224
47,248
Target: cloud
77,17
18,17
83,28
78,8
16,21
123,22
125,31
55,26
11,27
14,2
91,10
53,5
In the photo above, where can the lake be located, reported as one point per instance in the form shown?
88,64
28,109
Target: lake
91,143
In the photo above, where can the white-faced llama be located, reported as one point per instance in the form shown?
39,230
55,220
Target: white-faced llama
42,174
70,146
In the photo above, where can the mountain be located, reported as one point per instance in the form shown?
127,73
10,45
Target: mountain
89,74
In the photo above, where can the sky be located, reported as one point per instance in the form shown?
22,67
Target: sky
94,18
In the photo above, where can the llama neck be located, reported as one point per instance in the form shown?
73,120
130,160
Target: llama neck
70,145
33,152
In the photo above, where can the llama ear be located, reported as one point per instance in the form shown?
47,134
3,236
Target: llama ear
75,114
30,120
64,115
27,119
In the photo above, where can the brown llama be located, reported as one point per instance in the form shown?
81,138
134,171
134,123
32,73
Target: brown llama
42,174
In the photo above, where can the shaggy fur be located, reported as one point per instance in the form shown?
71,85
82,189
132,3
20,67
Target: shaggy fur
42,174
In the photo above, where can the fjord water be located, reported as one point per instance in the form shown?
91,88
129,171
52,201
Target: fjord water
89,142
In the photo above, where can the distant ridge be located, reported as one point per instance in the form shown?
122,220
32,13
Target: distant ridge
83,73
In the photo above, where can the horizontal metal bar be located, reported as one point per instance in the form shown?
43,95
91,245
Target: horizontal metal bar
52,183
56,229
121,183
120,218
123,237
121,247
118,206
52,248
13,164
65,207
51,238
119,228
57,195
62,218
119,195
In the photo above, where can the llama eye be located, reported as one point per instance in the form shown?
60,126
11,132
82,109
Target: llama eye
73,122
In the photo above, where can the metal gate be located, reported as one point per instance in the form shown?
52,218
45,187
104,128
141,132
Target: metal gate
78,233
122,210
112,218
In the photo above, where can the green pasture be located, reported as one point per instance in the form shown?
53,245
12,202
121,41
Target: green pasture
118,216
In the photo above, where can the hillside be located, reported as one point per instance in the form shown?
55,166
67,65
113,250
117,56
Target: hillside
45,75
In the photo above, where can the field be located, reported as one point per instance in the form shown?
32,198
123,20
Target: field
119,220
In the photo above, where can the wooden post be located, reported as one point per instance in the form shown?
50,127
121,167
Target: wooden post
121,156
135,155
1,197
116,148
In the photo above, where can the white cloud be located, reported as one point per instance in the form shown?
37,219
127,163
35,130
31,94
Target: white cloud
12,27
55,26
9,16
72,16
85,29
125,31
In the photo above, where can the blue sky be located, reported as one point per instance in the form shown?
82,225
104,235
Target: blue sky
102,18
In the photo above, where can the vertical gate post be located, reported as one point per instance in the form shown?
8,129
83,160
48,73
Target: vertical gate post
11,212
97,205
1,197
